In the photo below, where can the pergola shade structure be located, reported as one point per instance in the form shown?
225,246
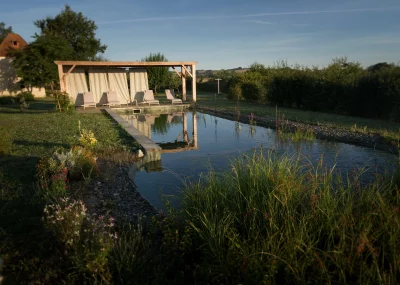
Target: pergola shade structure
107,75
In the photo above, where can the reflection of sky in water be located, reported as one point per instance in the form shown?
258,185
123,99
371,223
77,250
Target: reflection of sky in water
221,140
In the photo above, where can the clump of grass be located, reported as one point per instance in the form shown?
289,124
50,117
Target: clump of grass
296,136
5,143
275,220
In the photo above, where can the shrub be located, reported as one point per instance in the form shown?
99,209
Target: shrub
86,239
52,178
27,95
63,102
65,220
235,92
5,143
7,100
87,139
253,91
80,162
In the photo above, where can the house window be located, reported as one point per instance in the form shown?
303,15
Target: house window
15,43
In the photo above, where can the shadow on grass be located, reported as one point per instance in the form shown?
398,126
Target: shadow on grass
19,168
38,106
41,144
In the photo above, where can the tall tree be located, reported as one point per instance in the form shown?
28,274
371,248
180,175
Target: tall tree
158,76
4,31
35,64
67,36
77,30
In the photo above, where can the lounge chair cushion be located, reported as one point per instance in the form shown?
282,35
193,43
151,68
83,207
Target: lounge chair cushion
88,100
171,96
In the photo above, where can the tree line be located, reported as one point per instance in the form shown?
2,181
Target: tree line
342,87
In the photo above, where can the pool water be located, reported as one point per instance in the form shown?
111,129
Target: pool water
195,142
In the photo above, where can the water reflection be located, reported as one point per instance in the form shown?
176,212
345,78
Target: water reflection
193,143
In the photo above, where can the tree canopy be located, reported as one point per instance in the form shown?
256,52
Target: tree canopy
4,31
67,36
158,76
77,30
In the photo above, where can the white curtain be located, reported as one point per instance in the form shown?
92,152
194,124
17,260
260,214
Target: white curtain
99,84
76,85
119,83
138,83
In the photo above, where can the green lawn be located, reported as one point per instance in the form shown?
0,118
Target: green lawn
41,130
388,129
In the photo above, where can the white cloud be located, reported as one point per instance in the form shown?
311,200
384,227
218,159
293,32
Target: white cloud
260,22
210,17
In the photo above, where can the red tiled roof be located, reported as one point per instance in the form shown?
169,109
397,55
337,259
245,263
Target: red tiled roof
11,41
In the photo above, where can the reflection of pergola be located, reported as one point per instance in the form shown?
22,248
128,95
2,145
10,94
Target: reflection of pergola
186,68
193,145
189,143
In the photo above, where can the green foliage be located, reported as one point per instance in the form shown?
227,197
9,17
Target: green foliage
253,91
87,139
86,239
342,87
5,142
7,100
63,102
67,36
4,31
174,81
80,162
272,220
52,179
158,76
27,95
235,92
77,30
35,63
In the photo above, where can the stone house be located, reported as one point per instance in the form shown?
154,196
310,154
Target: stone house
9,82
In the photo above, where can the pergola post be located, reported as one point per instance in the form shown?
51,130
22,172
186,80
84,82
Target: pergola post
194,129
183,77
185,133
194,93
63,84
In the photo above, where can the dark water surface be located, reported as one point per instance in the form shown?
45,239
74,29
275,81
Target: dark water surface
218,141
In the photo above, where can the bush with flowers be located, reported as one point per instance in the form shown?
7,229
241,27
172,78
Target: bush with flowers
81,162
86,239
52,178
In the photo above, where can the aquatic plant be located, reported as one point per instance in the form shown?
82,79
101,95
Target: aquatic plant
277,220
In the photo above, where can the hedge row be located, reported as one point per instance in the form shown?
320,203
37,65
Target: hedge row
343,87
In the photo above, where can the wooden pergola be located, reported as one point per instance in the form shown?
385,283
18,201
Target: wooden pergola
186,68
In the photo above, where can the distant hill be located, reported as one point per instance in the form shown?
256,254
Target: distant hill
210,72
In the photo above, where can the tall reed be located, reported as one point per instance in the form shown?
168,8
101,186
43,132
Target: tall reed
279,220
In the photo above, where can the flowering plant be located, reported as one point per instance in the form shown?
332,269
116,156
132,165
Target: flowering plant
87,239
52,178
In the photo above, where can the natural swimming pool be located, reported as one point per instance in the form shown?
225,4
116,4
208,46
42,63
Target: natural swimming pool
194,143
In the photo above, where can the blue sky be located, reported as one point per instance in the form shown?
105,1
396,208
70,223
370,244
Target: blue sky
222,34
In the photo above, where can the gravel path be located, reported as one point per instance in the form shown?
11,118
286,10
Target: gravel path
114,192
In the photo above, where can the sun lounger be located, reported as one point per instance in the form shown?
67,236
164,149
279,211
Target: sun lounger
171,96
148,98
112,99
88,100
